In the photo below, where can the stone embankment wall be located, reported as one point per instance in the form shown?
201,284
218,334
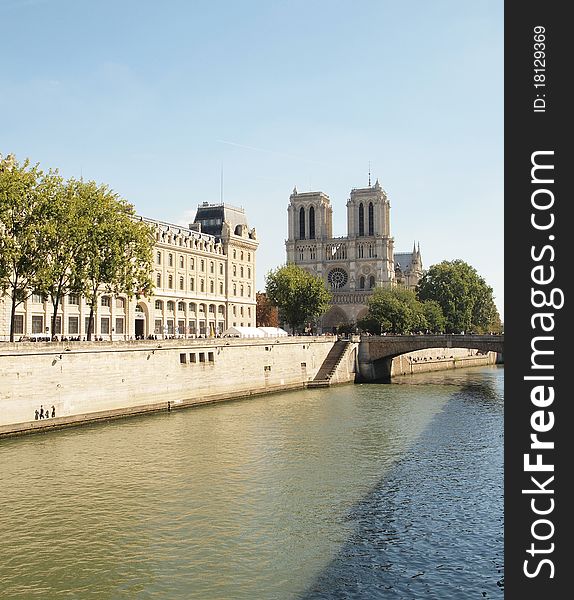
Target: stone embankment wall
440,359
91,381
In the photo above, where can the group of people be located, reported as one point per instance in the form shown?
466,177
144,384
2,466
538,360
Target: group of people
45,413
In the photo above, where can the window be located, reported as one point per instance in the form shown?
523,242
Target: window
371,219
158,305
212,308
235,289
19,324
182,358
211,287
249,272
158,280
105,301
362,283
170,282
211,357
211,267
73,325
192,307
192,263
221,268
234,270
302,223
170,259
120,303
120,325
234,253
37,298
58,326
249,291
242,290
181,262
311,223
202,265
158,328
202,357
202,286
371,281
181,283
181,306
192,284
74,299
249,311
192,357
105,325
242,255
170,305
234,310
241,271
191,327
361,219
37,324
241,310
158,258
221,288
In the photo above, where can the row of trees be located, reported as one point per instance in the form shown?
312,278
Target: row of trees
451,297
67,236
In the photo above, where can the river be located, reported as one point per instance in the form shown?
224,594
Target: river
358,491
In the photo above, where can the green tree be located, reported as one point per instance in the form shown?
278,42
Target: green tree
116,256
300,296
435,320
395,310
25,194
464,297
63,237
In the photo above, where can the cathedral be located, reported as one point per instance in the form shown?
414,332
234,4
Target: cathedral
351,266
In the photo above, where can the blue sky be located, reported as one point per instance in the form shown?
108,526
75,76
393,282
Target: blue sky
155,98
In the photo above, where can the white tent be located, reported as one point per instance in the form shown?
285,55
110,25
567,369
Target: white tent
254,332
243,332
273,331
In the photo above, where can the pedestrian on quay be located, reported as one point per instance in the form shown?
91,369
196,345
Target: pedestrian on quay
53,411
41,412
36,417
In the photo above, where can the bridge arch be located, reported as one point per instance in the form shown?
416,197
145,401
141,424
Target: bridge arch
376,353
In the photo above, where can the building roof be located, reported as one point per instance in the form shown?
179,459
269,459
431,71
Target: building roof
404,260
212,216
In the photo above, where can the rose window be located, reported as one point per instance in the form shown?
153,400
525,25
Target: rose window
337,278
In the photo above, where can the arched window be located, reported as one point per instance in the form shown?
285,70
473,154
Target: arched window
181,283
371,282
361,219
302,223
158,305
170,281
211,287
170,259
192,284
192,307
158,280
311,223
241,271
362,283
181,306
371,219
170,305
202,285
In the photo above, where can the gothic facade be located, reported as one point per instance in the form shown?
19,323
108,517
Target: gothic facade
204,278
351,266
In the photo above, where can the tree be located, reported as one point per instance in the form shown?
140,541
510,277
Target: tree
300,296
116,256
63,236
435,320
267,314
394,310
464,297
25,194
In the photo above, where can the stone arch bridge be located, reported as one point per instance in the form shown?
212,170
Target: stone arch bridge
377,352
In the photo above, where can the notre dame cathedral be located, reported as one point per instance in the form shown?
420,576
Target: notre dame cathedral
352,266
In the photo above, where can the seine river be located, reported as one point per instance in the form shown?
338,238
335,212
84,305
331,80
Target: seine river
359,491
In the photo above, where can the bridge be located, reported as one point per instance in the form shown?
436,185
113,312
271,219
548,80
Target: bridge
377,352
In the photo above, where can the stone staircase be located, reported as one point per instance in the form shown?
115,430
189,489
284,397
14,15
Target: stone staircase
330,364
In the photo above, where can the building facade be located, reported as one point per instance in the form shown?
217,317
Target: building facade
351,266
204,278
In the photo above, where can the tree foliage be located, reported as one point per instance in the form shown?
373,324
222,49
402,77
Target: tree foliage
300,296
60,237
465,299
267,313
397,310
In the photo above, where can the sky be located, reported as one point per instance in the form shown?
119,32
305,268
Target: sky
164,101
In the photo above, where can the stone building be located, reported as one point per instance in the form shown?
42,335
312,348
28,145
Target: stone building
352,266
204,277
